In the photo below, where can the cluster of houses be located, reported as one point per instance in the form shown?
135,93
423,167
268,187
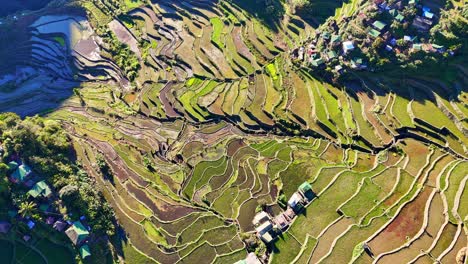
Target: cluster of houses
40,192
268,228
422,22
329,49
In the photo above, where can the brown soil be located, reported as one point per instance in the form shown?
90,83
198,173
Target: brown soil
405,225
436,220
234,146
164,211
325,241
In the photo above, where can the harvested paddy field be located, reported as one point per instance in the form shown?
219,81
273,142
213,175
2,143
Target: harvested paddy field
204,120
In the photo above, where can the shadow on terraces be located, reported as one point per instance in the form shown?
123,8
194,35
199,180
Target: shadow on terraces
270,12
48,54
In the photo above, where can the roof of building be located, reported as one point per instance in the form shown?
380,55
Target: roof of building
374,33
60,225
317,62
31,224
85,252
400,17
21,173
12,165
357,60
428,14
260,218
252,259
379,25
417,46
305,187
77,232
263,228
331,54
267,238
295,199
4,227
40,189
335,38
281,221
348,45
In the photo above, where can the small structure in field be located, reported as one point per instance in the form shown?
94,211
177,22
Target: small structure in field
260,218
250,259
77,233
263,231
85,252
60,225
5,227
295,202
21,173
348,46
40,189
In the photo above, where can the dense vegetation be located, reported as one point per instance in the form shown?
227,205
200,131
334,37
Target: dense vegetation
45,147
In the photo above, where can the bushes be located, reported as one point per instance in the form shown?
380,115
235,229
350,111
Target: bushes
44,146
123,56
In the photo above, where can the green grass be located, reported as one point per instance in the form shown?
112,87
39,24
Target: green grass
218,26
271,70
6,251
153,233
366,198
455,178
26,255
60,41
133,256
55,254
286,249
199,172
343,188
132,4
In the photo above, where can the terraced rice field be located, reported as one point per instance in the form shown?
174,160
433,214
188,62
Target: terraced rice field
219,123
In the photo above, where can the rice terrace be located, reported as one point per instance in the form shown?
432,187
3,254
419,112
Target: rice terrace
234,131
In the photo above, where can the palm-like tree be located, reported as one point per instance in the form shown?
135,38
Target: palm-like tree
27,209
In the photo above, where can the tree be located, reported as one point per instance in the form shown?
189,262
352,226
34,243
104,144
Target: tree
69,193
28,208
378,43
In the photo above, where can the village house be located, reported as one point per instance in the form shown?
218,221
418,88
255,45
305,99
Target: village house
263,226
21,173
85,252
4,227
379,25
40,189
421,23
263,231
281,221
260,218
60,225
77,233
348,46
295,202
305,189
250,259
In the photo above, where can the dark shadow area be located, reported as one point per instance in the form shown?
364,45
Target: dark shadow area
316,12
12,6
269,12
49,53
